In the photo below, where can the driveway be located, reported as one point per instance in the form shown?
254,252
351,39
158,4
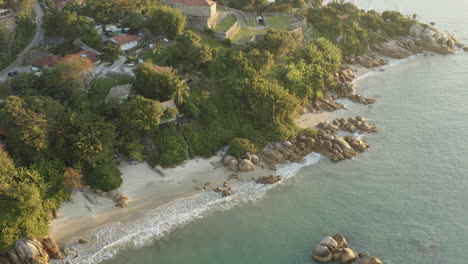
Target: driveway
15,65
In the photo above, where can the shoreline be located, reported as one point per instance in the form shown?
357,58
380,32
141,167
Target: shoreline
149,192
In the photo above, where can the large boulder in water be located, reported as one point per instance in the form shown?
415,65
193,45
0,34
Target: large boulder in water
329,242
246,165
322,254
372,260
272,179
341,241
347,256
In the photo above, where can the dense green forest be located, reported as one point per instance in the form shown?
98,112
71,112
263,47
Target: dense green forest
60,137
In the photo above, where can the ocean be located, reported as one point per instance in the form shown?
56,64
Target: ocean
404,201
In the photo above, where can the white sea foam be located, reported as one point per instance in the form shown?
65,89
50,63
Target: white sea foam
107,240
392,63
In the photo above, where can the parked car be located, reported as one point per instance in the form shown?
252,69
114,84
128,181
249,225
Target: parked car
13,74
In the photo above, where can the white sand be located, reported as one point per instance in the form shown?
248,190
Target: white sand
145,189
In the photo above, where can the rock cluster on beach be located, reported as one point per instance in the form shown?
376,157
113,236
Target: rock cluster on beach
37,251
120,200
418,40
346,88
325,103
337,249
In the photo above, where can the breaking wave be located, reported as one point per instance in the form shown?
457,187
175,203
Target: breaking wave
106,241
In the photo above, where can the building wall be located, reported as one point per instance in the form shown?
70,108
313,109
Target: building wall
201,11
129,45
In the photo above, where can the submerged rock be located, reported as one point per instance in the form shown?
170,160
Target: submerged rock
322,254
371,260
269,179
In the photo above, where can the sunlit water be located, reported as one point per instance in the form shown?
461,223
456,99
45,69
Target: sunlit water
405,201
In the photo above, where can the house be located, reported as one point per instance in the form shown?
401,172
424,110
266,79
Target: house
4,13
119,93
126,42
46,61
91,55
200,14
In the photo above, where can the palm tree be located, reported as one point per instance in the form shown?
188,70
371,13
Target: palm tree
180,93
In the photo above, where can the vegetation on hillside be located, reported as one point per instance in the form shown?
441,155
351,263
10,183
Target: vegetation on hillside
62,135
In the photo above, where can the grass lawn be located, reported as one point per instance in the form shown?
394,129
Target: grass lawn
100,88
280,22
227,22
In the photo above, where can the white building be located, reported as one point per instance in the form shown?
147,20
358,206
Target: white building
126,42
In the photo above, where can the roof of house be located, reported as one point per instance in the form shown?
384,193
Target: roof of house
47,60
163,68
168,104
124,39
118,92
195,2
91,55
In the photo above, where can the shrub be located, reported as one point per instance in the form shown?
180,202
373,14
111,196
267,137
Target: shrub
171,148
104,176
169,113
239,146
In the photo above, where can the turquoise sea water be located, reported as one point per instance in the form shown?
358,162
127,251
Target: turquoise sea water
405,201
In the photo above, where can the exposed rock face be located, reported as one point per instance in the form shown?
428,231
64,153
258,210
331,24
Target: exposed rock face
341,241
246,165
329,242
347,256
120,200
160,170
233,165
37,251
322,254
325,104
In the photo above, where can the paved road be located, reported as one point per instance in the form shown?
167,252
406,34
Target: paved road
15,65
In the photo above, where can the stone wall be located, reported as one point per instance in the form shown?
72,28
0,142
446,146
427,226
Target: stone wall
230,33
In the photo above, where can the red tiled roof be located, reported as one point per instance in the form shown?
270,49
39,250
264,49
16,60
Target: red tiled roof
195,2
92,56
124,39
47,60
163,68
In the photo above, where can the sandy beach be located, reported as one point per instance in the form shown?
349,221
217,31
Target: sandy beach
146,189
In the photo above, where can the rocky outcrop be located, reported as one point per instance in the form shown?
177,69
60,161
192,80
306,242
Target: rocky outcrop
351,125
37,251
325,104
120,200
246,165
336,248
272,179
322,254
160,171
